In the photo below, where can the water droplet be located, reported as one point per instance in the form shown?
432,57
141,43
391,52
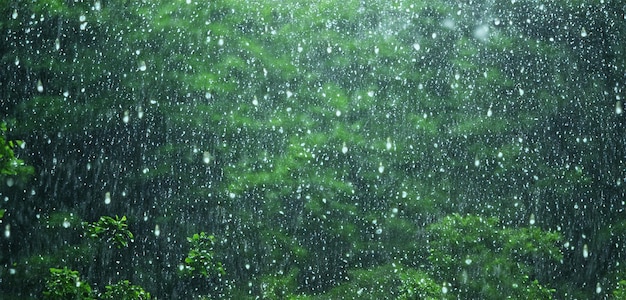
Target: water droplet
140,112
344,148
619,109
12,271
7,231
338,113
417,47
531,220
329,50
255,101
521,92
376,50
598,288
583,32
82,18
370,93
444,289
157,230
142,66
477,162
126,117
220,42
381,168
404,194
39,86
107,198
14,14
97,6
206,157
57,44
388,145
379,230
300,48
468,261
489,112
66,223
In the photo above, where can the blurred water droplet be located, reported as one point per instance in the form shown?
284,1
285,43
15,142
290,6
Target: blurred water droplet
388,144
585,251
344,148
97,5
7,231
142,66
39,86
157,230
107,198
126,117
583,32
381,168
618,107
206,157
57,44
417,47
531,220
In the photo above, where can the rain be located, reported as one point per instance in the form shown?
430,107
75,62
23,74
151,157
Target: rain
272,149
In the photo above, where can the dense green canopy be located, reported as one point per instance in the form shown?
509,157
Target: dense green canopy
331,149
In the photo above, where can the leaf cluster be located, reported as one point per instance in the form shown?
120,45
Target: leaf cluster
111,230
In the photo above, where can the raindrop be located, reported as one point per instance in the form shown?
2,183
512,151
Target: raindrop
17,61
12,271
388,144
157,230
583,32
126,117
66,223
585,251
39,86
57,44
7,231
370,93
66,94
489,112
598,288
220,42
468,261
140,112
521,92
255,101
404,194
107,198
82,18
381,168
417,47
379,230
444,289
97,5
618,107
10,182
338,113
329,50
376,50
344,148
531,220
477,162
206,157
300,48
142,66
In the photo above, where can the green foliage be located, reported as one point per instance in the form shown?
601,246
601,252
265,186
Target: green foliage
124,290
111,230
201,259
480,258
65,284
417,284
9,163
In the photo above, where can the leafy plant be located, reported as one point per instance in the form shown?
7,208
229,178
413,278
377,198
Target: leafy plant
112,230
66,284
124,290
201,259
9,164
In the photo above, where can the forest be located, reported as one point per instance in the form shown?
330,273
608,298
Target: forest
280,149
